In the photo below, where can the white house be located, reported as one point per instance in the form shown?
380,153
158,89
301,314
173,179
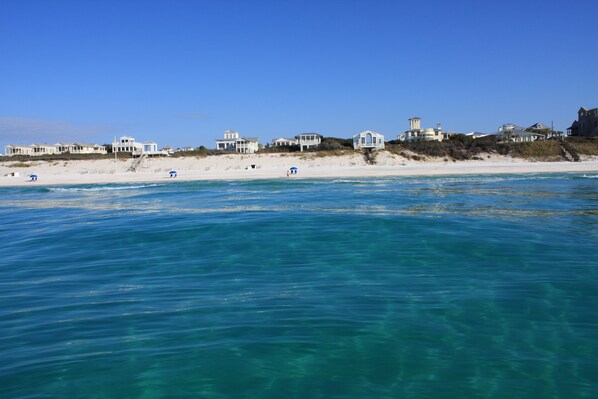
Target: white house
228,143
151,148
284,142
58,148
512,132
86,148
43,149
128,144
416,132
308,140
233,142
368,139
168,150
12,149
247,145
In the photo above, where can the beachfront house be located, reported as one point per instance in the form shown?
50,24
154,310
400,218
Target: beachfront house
151,148
228,143
284,142
368,139
233,142
308,140
128,144
13,149
86,148
168,149
586,123
43,149
518,134
416,133
58,148
247,145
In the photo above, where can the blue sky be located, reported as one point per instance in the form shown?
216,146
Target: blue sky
181,72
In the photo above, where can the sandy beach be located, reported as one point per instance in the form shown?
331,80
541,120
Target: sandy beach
266,166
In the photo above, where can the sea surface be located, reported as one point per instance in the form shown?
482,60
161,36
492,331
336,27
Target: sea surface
411,287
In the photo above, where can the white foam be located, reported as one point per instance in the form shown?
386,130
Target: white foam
101,188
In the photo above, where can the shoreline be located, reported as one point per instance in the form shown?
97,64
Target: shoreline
269,166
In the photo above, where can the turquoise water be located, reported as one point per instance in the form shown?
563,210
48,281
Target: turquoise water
422,287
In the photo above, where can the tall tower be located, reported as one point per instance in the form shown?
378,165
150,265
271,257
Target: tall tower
414,123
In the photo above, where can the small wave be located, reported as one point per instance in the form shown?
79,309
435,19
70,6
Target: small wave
102,188
590,176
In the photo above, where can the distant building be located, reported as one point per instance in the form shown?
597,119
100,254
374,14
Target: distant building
416,133
368,139
12,149
44,149
284,142
233,142
308,140
86,148
247,145
586,124
58,148
168,149
129,144
151,148
518,134
228,143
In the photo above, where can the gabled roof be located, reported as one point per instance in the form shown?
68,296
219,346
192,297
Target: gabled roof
305,134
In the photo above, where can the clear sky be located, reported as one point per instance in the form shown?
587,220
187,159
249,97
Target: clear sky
181,72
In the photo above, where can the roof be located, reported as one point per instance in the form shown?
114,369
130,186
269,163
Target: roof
85,144
254,139
305,134
415,117
538,125
369,131
284,138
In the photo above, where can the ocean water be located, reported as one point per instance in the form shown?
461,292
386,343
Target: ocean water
414,287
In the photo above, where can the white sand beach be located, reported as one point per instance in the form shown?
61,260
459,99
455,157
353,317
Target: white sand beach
266,166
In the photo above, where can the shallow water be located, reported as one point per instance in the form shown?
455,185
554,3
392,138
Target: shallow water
421,287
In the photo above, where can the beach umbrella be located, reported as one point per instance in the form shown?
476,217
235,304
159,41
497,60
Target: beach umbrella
293,169
172,172
33,177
